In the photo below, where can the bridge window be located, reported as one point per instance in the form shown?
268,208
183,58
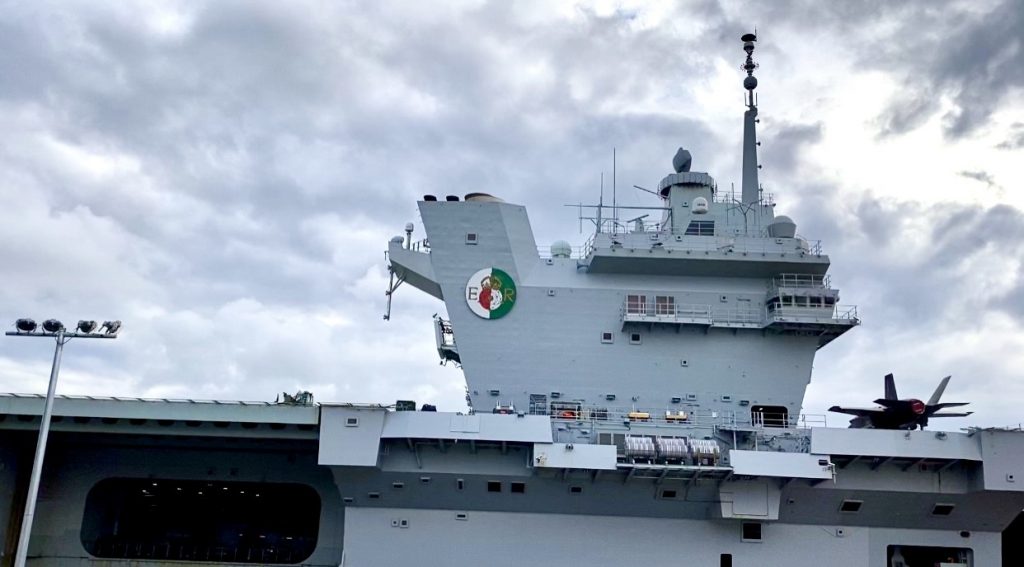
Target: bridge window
701,228
664,305
208,521
636,304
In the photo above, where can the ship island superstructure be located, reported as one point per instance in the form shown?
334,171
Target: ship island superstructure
706,304
634,401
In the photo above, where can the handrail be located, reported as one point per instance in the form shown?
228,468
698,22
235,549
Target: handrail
577,253
678,240
678,415
670,311
801,280
836,312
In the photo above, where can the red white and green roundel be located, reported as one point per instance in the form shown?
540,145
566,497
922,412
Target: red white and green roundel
491,293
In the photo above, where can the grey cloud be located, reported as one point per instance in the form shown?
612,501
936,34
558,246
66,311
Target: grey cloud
1015,139
928,279
906,113
227,187
982,176
911,259
970,57
783,144
967,53
220,186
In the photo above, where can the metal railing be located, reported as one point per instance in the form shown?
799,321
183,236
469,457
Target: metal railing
801,280
778,311
671,312
738,315
577,252
718,243
683,415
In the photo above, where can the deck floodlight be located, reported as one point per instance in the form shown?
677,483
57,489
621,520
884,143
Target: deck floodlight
53,326
53,329
111,327
25,325
87,327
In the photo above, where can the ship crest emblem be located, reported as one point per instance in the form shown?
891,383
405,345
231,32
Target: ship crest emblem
491,293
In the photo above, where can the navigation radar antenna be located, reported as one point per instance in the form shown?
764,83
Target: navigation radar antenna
749,83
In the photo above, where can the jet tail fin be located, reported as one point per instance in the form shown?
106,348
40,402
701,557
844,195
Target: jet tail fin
938,392
890,387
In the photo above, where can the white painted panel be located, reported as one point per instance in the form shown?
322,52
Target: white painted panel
350,443
788,465
496,539
481,427
569,456
890,443
1003,467
750,499
465,424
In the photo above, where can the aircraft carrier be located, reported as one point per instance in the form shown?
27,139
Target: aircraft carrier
635,401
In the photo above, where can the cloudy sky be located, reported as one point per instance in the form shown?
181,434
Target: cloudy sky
224,176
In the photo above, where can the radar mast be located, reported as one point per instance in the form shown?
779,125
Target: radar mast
750,184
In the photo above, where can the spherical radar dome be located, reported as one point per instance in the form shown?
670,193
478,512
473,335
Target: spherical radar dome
782,227
750,83
561,249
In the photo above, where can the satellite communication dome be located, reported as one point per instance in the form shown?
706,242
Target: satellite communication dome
782,227
561,249
700,206
483,198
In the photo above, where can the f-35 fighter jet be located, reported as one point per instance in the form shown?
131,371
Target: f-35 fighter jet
895,413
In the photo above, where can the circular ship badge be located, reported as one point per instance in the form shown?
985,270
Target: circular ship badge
491,293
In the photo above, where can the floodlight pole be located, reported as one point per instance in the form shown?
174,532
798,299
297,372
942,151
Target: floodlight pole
61,337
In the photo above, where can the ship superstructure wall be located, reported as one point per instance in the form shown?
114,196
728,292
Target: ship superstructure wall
570,337
504,539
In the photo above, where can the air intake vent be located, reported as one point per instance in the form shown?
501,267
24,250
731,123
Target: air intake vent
751,531
851,506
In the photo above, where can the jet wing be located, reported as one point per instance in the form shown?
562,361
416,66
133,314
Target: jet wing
963,414
948,405
889,403
856,411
